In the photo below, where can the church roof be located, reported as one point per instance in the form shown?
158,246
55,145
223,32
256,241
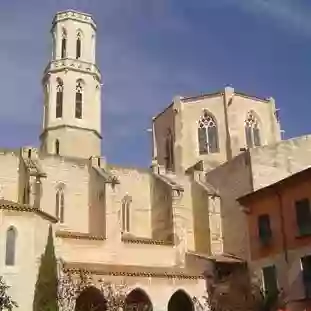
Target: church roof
14,206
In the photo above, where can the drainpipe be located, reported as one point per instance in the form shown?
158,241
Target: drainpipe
283,232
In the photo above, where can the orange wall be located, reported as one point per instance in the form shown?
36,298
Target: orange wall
270,204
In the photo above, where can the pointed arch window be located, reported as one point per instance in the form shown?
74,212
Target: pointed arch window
252,131
79,99
64,44
60,205
125,213
10,247
59,98
57,147
169,150
78,45
208,134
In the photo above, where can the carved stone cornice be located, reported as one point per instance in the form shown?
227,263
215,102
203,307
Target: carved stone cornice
74,15
72,64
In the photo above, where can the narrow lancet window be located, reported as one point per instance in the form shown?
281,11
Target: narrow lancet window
79,99
169,150
10,247
252,131
64,44
60,205
125,214
57,147
78,45
59,98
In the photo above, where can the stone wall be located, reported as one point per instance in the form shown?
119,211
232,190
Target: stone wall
31,237
277,161
232,180
9,164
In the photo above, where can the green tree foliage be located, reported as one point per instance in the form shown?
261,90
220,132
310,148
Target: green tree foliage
239,291
6,302
45,297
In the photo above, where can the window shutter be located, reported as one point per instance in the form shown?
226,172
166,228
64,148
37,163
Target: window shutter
264,228
306,274
202,140
303,216
270,280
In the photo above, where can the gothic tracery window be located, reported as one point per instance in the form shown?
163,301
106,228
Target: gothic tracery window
252,131
59,98
207,134
78,45
125,213
79,99
64,44
60,204
10,247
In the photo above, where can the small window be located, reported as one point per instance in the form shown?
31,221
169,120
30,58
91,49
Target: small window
60,205
270,280
79,99
10,247
306,274
78,45
169,150
125,213
264,229
303,216
57,147
59,98
64,44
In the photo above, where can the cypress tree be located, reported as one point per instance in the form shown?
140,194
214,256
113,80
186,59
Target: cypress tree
45,296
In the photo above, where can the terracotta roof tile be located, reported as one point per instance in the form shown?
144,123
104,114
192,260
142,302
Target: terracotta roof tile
79,235
14,206
131,270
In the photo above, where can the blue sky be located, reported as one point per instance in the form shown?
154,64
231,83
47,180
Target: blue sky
149,51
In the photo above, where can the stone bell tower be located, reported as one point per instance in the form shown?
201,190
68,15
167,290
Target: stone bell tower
72,89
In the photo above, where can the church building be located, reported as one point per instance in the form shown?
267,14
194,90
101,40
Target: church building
149,230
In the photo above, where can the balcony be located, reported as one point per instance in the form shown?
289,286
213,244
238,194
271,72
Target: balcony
73,64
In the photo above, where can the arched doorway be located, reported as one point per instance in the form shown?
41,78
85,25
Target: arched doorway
138,300
180,301
91,299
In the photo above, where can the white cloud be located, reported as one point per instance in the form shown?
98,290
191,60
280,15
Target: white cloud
292,14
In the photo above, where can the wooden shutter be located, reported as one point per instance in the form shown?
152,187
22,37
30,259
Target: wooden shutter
303,216
270,279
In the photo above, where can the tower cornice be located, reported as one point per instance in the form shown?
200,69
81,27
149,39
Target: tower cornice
72,64
74,15
51,128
